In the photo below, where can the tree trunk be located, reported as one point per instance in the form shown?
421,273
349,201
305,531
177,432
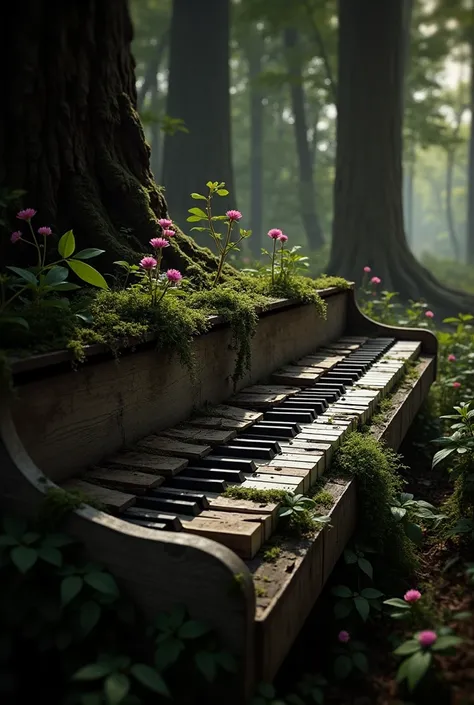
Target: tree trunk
306,186
198,93
368,214
470,176
254,57
453,238
410,193
70,134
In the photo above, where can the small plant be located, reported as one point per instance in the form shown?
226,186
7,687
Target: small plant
419,651
350,657
224,245
405,608
404,508
361,602
461,440
295,507
356,556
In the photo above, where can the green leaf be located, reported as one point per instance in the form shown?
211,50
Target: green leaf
194,219
441,455
88,253
89,616
408,647
67,244
360,661
14,321
198,197
206,664
341,591
398,512
66,286
362,607
414,533
24,274
222,192
342,667
197,212
151,679
397,602
92,672
88,274
102,582
116,688
342,608
56,275
168,652
417,666
192,630
23,558
366,567
50,555
371,593
70,588
446,642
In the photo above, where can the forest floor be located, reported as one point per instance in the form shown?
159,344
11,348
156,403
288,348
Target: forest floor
445,591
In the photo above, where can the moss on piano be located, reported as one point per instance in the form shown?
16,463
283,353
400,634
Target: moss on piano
58,503
271,553
254,495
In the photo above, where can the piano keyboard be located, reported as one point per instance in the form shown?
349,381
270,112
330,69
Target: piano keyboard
275,436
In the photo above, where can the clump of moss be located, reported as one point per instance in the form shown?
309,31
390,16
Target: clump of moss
260,591
324,499
325,281
254,495
271,553
58,503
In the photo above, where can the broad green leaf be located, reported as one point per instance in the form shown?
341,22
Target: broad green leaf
88,253
362,607
116,688
70,588
192,630
398,512
92,672
446,642
222,192
88,274
24,274
56,275
67,244
198,197
360,661
206,664
14,321
406,497
197,212
194,219
102,582
23,558
371,593
414,533
150,678
417,666
168,653
66,286
408,647
441,455
341,591
366,567
89,616
50,555
342,667
397,602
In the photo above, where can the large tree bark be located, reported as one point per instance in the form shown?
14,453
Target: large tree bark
198,93
306,186
470,176
368,215
70,134
254,50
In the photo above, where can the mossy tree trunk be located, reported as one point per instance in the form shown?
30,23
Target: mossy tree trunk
368,217
70,134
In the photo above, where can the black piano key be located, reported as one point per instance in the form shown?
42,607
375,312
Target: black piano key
245,452
299,415
341,379
328,396
343,373
189,496
258,443
317,405
166,504
171,521
216,473
150,524
268,430
196,483
329,385
218,461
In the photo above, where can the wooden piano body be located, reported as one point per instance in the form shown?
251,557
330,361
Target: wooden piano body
58,423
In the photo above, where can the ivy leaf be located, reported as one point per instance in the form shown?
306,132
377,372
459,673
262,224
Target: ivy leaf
362,607
151,679
206,664
192,630
67,244
102,582
116,688
92,672
88,274
23,558
342,667
88,253
89,616
417,665
70,588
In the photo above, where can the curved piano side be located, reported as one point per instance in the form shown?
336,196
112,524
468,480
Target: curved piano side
156,570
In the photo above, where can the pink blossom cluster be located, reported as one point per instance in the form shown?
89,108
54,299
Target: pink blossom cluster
277,234
151,263
412,596
26,216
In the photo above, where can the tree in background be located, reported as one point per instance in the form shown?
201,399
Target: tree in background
368,214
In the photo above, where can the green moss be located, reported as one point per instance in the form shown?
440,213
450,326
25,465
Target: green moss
272,553
57,504
260,591
254,495
325,282
324,499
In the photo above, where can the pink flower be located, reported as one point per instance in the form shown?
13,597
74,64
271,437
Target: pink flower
44,230
165,223
429,314
412,596
456,385
173,275
344,637
275,234
14,237
451,358
234,215
283,238
158,242
148,263
427,638
375,280
367,270
168,233
26,214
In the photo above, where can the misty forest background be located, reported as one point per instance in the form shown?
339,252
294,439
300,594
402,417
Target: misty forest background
277,151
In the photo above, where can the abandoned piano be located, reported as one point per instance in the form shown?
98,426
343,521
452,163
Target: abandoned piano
160,462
